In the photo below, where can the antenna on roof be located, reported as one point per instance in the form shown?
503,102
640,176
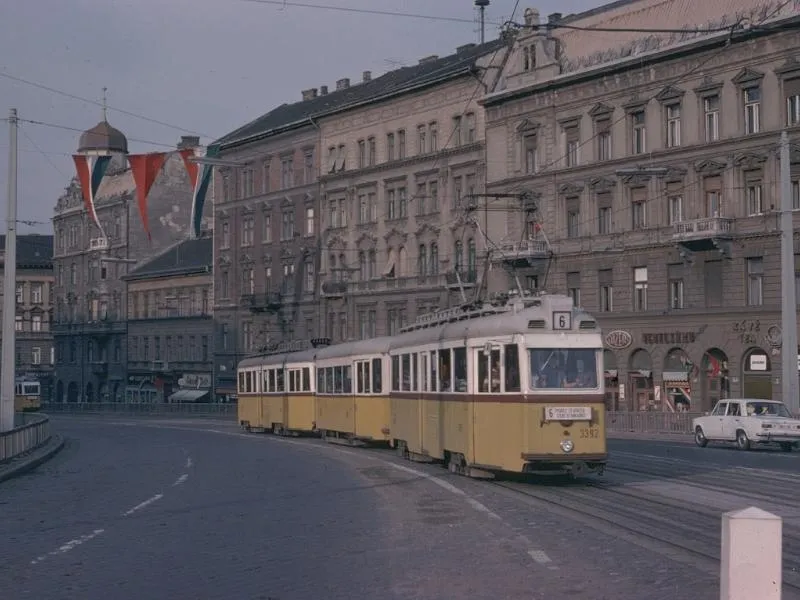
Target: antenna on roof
105,105
482,4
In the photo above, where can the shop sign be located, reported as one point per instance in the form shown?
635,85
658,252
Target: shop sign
758,362
619,339
675,337
195,380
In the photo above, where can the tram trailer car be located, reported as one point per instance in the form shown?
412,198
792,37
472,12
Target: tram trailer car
27,395
353,404
276,393
519,391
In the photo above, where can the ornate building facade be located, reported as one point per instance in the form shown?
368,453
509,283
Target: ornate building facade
653,169
90,324
401,172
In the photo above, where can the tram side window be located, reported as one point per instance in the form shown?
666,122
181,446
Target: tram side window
241,383
265,380
405,382
362,377
377,376
348,380
415,385
395,373
329,377
556,368
306,379
320,381
512,368
445,372
272,381
279,387
294,380
488,371
423,371
434,370
460,369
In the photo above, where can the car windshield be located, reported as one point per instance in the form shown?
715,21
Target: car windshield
561,368
768,409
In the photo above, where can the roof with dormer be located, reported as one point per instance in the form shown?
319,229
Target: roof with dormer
34,251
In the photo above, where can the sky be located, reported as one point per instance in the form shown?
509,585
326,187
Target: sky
197,67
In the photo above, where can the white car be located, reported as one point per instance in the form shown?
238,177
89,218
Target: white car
748,421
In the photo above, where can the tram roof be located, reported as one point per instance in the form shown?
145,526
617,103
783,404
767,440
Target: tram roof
379,345
301,356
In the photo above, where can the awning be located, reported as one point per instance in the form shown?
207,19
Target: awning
676,376
187,395
611,372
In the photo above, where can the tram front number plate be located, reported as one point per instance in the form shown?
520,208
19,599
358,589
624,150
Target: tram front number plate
568,413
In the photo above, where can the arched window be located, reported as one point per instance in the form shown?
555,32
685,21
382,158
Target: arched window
422,261
472,258
458,256
434,267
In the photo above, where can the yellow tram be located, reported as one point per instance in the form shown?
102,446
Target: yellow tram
515,386
276,393
27,395
352,397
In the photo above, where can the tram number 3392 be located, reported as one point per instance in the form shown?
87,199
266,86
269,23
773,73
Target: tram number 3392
589,433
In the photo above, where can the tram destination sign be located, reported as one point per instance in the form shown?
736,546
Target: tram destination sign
568,413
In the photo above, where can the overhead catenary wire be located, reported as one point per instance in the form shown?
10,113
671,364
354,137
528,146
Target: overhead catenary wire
68,128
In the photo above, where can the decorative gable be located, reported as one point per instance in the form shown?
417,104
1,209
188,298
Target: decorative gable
526,126
337,242
710,166
570,189
366,239
670,93
600,110
749,160
602,184
427,228
266,206
394,236
748,76
790,67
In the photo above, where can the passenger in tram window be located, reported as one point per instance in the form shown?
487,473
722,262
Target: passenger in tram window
495,373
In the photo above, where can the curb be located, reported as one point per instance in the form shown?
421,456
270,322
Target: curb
22,465
651,437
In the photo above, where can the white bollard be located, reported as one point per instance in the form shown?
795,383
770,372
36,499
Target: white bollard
752,555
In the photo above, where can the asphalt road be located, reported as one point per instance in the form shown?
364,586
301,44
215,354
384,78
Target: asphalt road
172,508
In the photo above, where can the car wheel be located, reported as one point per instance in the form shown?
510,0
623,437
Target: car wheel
700,437
742,441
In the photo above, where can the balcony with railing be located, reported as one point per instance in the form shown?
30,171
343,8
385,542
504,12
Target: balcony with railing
521,253
261,302
461,278
700,235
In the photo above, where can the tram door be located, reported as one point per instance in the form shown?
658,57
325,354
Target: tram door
430,411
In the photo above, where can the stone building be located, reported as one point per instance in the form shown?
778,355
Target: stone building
170,326
90,302
34,339
653,168
400,171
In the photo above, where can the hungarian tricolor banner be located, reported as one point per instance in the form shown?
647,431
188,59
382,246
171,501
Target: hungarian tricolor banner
200,179
91,170
145,168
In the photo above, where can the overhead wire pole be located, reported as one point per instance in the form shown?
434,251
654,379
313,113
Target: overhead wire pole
790,385
7,352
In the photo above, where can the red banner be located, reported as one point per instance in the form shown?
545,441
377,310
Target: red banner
145,169
191,167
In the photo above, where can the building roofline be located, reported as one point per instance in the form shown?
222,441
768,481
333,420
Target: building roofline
680,50
164,273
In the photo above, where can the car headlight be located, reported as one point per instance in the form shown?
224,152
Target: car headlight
567,445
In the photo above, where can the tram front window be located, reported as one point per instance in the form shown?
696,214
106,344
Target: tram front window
563,368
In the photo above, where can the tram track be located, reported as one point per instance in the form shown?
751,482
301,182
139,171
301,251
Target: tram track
689,534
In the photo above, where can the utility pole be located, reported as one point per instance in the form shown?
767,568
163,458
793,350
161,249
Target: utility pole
791,384
482,4
7,352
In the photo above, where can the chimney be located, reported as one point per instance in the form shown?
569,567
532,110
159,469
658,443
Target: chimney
323,90
343,84
428,59
189,141
309,94
554,18
464,48
366,76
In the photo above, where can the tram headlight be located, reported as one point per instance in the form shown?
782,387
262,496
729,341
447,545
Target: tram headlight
567,445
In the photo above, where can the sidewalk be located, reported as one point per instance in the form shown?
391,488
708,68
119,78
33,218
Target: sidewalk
685,438
31,460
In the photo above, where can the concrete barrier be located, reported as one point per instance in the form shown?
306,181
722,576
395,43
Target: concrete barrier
34,431
751,555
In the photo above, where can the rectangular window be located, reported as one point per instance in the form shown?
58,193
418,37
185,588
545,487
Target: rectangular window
640,289
603,133
530,153
574,288
673,115
604,206
755,281
711,117
752,109
266,230
362,154
36,356
287,172
389,146
639,208
433,132
573,217
675,204
36,293
572,141
422,146
638,132
675,277
605,279
372,152
755,205
310,221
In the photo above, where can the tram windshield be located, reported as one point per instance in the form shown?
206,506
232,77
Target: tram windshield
563,368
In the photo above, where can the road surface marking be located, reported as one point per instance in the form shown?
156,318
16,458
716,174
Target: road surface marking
141,505
69,545
181,479
189,462
540,556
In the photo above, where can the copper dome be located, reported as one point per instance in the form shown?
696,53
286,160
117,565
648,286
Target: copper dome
103,137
